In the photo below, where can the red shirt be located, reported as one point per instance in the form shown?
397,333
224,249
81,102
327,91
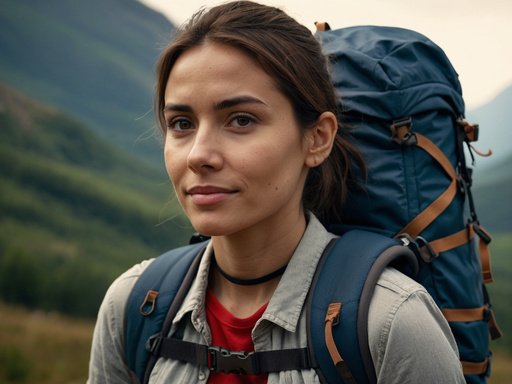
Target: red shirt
234,334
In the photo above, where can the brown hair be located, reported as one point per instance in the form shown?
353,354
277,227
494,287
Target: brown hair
289,53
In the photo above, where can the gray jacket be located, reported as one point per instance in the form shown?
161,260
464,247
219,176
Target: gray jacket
410,341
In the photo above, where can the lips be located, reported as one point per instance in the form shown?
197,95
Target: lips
209,195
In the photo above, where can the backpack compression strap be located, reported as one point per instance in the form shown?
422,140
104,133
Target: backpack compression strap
403,134
339,302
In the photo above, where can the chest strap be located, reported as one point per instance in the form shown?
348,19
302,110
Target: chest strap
222,360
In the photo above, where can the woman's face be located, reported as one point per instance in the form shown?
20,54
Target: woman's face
233,150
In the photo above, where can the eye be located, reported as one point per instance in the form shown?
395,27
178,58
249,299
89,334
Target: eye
242,120
179,124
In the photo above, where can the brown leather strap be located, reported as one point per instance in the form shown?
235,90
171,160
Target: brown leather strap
465,236
332,318
464,314
322,26
475,314
494,328
455,240
429,214
475,368
485,257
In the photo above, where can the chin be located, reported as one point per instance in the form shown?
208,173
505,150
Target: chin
211,229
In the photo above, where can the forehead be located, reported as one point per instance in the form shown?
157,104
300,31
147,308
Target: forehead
218,67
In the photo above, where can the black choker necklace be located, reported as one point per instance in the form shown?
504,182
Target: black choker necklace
258,280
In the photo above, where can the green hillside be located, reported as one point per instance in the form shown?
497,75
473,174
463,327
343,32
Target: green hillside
492,192
93,59
501,290
74,210
494,120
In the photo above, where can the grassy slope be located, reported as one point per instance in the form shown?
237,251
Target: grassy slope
46,348
74,210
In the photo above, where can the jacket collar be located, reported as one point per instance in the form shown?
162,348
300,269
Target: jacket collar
286,304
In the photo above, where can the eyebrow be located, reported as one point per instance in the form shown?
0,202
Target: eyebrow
224,104
228,103
177,107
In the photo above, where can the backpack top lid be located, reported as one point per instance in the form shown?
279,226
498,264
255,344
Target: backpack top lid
388,72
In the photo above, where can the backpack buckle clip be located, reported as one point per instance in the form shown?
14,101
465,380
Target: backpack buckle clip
421,247
482,234
224,360
153,343
401,132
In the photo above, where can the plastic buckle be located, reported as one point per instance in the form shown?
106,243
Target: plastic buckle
224,360
153,343
462,185
487,314
401,132
481,233
419,246
426,252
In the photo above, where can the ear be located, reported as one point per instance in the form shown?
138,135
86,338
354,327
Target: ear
320,138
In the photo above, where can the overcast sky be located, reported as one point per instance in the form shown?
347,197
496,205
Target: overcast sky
475,34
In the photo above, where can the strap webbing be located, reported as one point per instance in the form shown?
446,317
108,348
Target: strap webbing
332,318
475,368
465,236
485,255
465,314
429,214
484,312
222,360
453,241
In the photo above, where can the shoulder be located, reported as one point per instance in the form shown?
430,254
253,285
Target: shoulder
395,299
119,291
110,319
106,363
399,300
405,324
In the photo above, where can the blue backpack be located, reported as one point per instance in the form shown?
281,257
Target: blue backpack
401,99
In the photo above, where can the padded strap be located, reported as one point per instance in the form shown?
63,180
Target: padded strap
429,214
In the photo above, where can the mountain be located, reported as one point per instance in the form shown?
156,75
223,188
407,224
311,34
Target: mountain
492,191
493,175
494,119
93,59
75,211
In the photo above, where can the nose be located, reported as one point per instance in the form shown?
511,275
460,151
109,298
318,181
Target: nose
205,154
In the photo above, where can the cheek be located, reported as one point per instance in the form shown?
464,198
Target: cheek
172,164
278,168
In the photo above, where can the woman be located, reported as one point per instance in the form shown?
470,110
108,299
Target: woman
247,110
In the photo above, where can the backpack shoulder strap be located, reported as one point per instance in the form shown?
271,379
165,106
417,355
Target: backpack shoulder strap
160,285
339,302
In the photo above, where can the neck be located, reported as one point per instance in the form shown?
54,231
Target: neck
258,253
250,257
255,281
